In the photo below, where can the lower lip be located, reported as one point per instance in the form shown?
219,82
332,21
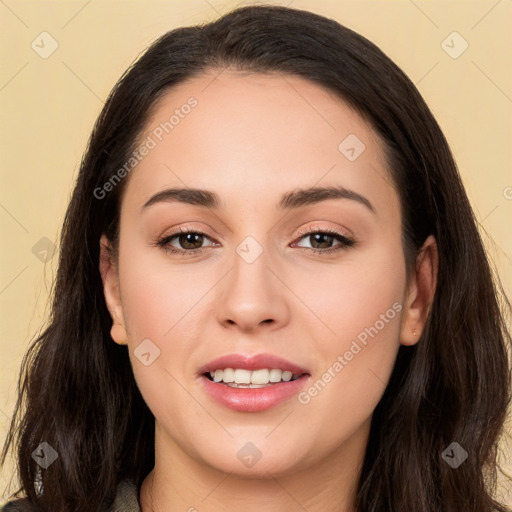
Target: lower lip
253,399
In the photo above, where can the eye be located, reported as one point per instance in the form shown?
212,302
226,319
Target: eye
189,241
321,240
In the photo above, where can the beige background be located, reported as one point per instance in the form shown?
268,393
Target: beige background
48,107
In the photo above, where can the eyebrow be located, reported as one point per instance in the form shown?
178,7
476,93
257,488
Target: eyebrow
290,200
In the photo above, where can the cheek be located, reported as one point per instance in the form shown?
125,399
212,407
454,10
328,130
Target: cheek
345,391
356,355
158,308
347,298
163,301
159,297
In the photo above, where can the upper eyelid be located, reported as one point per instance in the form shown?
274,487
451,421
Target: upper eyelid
317,229
303,233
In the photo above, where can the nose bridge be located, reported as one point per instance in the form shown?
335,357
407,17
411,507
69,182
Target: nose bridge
252,293
253,251
251,272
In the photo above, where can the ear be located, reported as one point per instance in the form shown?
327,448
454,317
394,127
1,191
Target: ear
110,278
420,294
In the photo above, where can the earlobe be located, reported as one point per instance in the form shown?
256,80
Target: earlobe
118,334
110,279
421,293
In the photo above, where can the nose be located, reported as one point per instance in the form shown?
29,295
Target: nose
253,296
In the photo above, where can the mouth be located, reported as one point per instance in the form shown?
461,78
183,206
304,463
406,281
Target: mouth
247,379
252,383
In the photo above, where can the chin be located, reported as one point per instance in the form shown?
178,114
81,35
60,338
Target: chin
259,460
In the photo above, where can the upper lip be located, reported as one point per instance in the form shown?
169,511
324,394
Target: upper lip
252,362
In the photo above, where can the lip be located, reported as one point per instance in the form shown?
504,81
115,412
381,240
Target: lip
254,362
253,399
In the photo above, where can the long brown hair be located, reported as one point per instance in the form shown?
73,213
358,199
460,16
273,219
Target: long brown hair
77,391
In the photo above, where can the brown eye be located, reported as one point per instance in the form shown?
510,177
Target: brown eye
185,241
190,240
322,241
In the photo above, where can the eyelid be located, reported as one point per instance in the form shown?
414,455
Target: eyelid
163,241
325,229
189,228
303,231
346,239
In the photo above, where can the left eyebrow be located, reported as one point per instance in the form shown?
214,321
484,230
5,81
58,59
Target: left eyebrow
289,200
312,195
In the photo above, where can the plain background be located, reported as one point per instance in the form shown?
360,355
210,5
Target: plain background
49,105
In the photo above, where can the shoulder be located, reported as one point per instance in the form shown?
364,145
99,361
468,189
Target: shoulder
127,500
22,505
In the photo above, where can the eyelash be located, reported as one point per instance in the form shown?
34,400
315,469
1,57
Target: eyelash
345,241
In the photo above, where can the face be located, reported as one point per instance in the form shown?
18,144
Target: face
271,275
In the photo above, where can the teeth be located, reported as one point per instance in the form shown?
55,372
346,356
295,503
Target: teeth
228,375
256,378
242,376
287,376
260,377
275,375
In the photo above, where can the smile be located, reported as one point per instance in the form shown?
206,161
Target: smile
240,378
252,383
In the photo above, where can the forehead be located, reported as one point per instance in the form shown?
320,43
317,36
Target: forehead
252,137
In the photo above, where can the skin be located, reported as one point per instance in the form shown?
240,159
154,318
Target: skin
250,139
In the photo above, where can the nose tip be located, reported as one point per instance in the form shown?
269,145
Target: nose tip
252,296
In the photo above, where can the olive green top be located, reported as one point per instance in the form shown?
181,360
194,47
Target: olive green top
126,500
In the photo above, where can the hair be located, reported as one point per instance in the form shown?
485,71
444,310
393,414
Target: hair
76,388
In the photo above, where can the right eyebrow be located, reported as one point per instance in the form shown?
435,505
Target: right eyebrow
195,196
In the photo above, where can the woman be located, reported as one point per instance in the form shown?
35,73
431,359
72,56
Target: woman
271,288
